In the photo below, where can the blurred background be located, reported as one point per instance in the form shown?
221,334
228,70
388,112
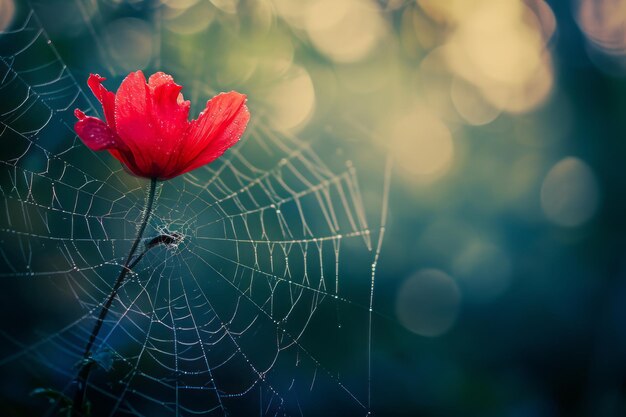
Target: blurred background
500,288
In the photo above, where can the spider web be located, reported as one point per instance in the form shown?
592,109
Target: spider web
248,313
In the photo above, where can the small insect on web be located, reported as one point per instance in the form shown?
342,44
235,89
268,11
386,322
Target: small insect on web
237,302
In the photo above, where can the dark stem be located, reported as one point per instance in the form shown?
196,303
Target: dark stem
87,363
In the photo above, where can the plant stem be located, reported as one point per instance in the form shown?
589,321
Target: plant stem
83,374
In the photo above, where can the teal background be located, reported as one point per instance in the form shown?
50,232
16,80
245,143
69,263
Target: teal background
499,289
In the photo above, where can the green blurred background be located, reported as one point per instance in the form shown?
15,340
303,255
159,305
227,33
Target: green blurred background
500,289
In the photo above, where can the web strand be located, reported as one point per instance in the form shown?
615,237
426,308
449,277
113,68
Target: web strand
263,306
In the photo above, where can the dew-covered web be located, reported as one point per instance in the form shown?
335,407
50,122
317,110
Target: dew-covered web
247,311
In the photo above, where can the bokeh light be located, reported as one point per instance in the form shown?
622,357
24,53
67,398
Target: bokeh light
603,22
500,48
291,101
422,144
130,43
471,104
345,30
188,18
180,4
7,11
428,303
228,6
569,194
483,270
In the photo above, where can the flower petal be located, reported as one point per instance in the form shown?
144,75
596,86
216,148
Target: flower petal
170,114
94,132
133,122
98,136
169,111
127,159
159,78
105,97
147,127
217,128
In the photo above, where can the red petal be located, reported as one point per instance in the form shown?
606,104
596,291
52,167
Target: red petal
217,128
97,135
94,132
127,160
159,78
168,112
106,98
148,129
133,121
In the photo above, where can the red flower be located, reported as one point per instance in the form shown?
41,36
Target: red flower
147,127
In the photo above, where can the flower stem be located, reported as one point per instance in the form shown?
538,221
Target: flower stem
85,368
